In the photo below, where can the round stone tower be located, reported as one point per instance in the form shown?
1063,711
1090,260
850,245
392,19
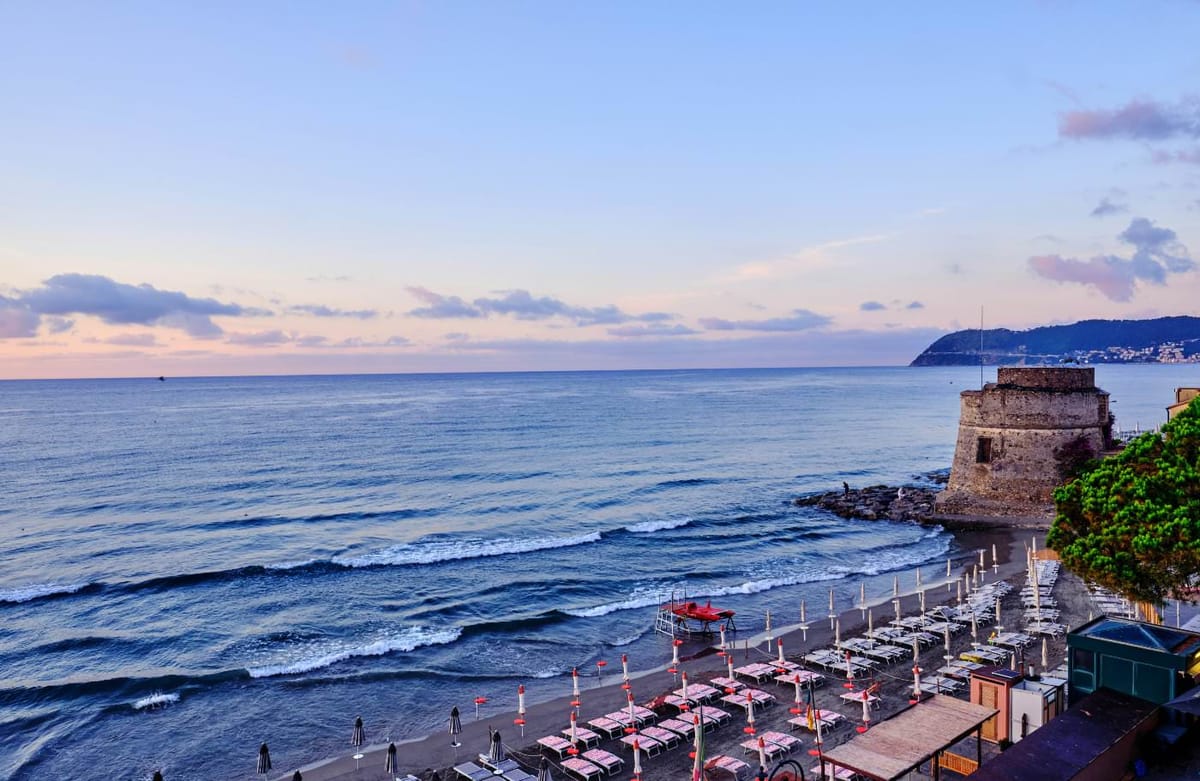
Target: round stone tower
1020,437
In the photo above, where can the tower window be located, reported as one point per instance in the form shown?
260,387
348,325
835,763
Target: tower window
983,450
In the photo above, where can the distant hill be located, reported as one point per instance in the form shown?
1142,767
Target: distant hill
1161,340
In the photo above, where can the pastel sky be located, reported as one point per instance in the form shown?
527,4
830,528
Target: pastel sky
314,187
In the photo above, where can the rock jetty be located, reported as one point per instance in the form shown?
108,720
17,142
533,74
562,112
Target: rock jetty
903,503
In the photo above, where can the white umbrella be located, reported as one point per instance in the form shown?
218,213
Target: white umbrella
918,578
832,614
995,561
837,633
981,558
849,672
637,758
684,690
959,585
896,604
779,644
803,622
796,681
729,665
999,626
866,703
625,671
946,636
762,753
749,728
862,595
632,715
574,735
724,645
769,638
575,687
870,622
974,629
520,719
1045,655
947,575
698,752
916,648
921,595
895,585
916,682
675,653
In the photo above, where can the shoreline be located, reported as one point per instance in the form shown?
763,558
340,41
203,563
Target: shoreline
422,755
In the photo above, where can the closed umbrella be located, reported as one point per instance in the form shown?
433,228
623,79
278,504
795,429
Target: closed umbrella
674,668
724,645
866,703
390,762
916,682
297,777
358,736
918,578
455,728
832,614
803,621
769,637
749,728
633,719
995,563
698,752
543,773
637,759
1045,655
779,643
849,684
264,759
575,687
895,585
870,622
795,711
686,705
520,719
496,751
762,754
729,665
862,595
574,735
625,671
837,633
999,624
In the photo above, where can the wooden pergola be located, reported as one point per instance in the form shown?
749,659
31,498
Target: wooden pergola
908,740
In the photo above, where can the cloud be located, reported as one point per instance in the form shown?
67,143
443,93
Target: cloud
1107,208
439,306
322,278
1143,120
319,310
16,320
133,340
522,305
1189,156
654,329
260,339
801,320
915,305
1157,253
57,325
117,303
871,306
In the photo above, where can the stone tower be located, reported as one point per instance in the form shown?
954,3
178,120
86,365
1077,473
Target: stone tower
1020,436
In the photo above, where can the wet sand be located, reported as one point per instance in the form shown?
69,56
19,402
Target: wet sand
422,756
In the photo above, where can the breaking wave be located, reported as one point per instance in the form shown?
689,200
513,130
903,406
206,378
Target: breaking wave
325,653
436,551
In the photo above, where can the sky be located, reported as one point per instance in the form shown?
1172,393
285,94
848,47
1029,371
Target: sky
232,188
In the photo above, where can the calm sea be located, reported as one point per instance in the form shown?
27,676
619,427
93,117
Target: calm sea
275,556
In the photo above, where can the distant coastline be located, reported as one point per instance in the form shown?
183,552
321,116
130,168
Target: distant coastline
1160,340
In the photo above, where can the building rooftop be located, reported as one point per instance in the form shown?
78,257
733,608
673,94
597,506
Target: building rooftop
1141,635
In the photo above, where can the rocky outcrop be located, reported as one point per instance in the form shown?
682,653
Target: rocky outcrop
904,503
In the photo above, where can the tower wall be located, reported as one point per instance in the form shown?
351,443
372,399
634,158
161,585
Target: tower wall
1017,438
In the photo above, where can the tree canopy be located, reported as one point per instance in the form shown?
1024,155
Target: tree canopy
1132,521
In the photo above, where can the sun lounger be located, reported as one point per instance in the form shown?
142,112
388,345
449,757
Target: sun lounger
740,769
608,761
582,769
830,719
756,672
622,718
588,738
807,679
646,743
503,766
698,692
607,727
518,775
831,773
677,702
773,750
723,683
555,745
644,715
472,772
666,737
713,716
789,743
940,685
686,730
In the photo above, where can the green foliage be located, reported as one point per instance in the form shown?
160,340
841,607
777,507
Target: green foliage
1132,521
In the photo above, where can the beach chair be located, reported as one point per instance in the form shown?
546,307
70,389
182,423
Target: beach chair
582,769
723,683
665,736
685,730
760,697
714,716
622,718
504,766
789,743
740,769
756,672
518,775
647,744
644,715
557,746
607,727
606,760
772,750
585,736
472,772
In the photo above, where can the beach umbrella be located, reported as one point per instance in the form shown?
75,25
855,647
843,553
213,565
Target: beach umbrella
632,715
575,687
1045,655
796,710
866,713
995,561
496,749
804,620
895,585
637,758
849,684
543,773
862,595
389,765
674,668
297,777
779,644
916,648
574,736
600,665
729,665
762,754
698,753
974,629
769,638
358,736
896,604
837,632
999,626
946,636
981,564
749,728
959,588
916,682
520,719
455,728
832,614
870,622
684,694
264,759
921,596
479,701
625,671
918,578
724,645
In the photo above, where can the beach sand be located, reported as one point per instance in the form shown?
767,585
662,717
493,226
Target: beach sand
422,756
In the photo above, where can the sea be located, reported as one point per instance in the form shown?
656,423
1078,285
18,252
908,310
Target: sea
194,566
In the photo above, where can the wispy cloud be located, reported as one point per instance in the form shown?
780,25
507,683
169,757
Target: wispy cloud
1107,208
654,329
800,320
260,338
915,305
1157,253
1143,120
871,306
320,310
1186,156
118,303
523,305
816,256
439,307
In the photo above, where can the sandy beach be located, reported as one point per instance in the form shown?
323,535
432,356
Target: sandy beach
422,756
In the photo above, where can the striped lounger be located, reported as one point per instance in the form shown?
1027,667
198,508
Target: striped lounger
712,715
740,769
772,750
582,769
684,729
586,736
664,736
646,743
721,682
787,742
555,745
472,772
607,727
610,762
